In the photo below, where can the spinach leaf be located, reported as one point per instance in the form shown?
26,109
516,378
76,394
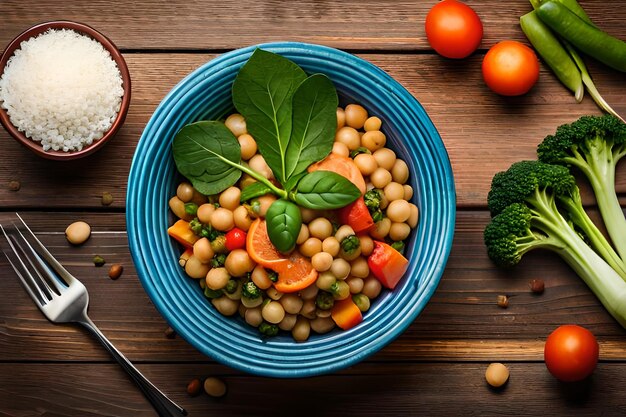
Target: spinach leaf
314,123
262,93
256,189
324,190
207,153
283,224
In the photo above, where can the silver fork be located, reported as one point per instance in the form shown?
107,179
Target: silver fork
64,299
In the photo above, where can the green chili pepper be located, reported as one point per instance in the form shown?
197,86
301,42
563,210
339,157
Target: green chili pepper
283,224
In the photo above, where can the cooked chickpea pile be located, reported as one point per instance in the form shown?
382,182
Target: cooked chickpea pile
236,284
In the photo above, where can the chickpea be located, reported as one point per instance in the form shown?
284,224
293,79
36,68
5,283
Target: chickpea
385,158
77,233
184,257
264,203
323,313
341,118
273,293
203,251
380,177
399,231
311,246
184,192
340,268
497,374
261,278
222,219
288,322
303,235
308,309
322,325
381,229
372,123
248,146
251,302
291,303
359,268
373,140
237,124
198,198
308,215
273,312
253,316
309,293
301,330
399,211
242,310
342,291
196,269
400,171
321,228
367,245
178,208
257,163
371,287
225,305
350,256
408,192
366,163
205,212
349,137
331,245
242,218
217,278
238,263
214,387
356,115
229,199
237,294
325,280
340,148
362,302
355,284
246,181
414,216
394,191
322,261
383,201
343,232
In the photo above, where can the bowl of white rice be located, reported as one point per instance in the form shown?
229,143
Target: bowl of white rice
64,89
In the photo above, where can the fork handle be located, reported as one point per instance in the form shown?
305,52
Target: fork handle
163,405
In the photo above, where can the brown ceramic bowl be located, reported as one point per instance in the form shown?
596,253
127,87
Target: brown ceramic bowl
117,57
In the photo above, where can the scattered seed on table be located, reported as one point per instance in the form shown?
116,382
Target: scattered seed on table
537,286
14,185
497,374
503,301
215,387
170,333
98,261
115,271
77,233
107,198
194,387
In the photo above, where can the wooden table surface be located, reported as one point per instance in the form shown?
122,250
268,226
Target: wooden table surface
437,366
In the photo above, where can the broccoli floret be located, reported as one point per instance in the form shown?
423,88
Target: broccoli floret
250,290
231,286
372,199
594,145
203,230
324,300
537,224
543,188
273,276
351,243
218,260
191,208
268,329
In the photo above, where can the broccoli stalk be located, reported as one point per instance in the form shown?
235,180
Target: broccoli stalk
594,145
547,188
519,229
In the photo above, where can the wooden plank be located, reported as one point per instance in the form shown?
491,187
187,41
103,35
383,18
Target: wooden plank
461,322
484,133
398,389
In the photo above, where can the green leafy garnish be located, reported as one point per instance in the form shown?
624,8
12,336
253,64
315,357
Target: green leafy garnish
283,224
325,190
254,190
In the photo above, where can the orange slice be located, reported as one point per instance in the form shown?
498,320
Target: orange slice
296,274
343,166
260,247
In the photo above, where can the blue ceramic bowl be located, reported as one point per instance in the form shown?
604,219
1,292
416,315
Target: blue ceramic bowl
206,94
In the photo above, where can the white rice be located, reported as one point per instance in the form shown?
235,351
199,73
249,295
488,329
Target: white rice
61,88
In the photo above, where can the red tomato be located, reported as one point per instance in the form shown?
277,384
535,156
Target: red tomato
235,239
571,353
510,68
356,215
453,29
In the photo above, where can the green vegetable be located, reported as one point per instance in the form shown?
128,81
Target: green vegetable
231,286
254,190
372,199
268,329
203,230
211,294
283,224
273,276
570,4
594,145
361,301
520,228
218,260
250,290
398,245
191,208
588,38
543,187
98,260
350,244
324,300
359,151
553,53
325,190
219,244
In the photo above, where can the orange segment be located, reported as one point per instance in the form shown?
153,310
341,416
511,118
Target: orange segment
295,272
343,166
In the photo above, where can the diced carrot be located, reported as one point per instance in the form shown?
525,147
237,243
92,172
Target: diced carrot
182,233
343,166
346,314
387,264
356,215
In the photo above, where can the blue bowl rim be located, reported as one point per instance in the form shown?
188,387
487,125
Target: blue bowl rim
447,225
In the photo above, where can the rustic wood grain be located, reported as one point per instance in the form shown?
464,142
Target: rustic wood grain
461,322
483,132
397,388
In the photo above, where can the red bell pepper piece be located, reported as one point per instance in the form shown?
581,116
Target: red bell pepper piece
346,314
356,215
235,239
182,233
387,264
